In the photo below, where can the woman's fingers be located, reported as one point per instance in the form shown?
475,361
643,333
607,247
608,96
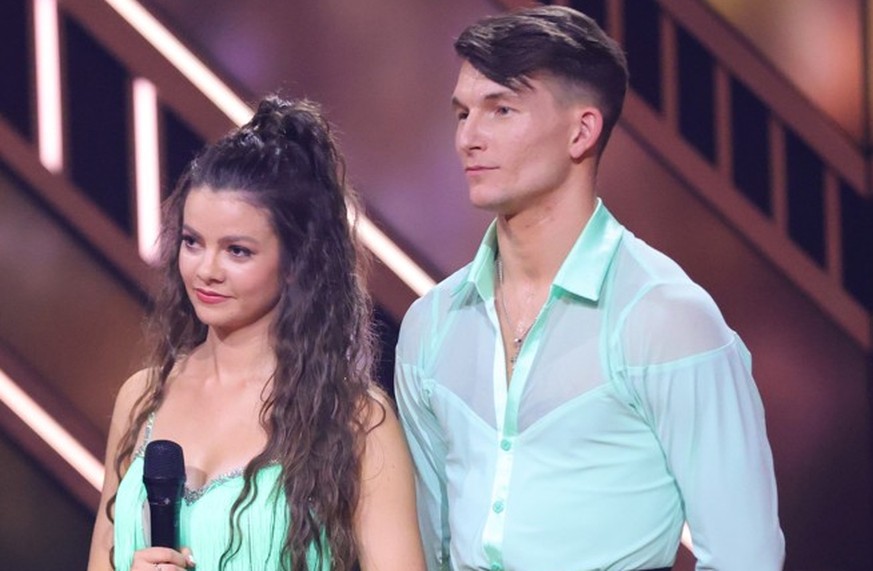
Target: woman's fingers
189,557
162,559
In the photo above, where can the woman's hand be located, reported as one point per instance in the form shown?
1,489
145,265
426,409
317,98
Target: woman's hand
162,559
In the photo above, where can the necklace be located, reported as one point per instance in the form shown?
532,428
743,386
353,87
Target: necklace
520,329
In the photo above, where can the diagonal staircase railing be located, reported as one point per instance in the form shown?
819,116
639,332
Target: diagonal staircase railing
98,140
810,213
745,140
789,180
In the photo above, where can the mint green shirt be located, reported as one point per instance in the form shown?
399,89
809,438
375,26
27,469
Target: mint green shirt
631,409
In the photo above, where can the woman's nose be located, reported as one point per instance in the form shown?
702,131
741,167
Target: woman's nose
210,269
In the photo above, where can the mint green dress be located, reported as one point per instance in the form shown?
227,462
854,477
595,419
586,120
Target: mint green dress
204,519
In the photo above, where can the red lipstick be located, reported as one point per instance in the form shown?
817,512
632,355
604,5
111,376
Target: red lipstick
209,297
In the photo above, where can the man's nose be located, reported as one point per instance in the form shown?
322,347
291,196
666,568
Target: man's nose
469,135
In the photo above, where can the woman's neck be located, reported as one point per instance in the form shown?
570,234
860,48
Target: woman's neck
241,356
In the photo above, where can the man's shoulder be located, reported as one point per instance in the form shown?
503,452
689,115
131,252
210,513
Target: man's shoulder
649,263
440,294
425,313
662,304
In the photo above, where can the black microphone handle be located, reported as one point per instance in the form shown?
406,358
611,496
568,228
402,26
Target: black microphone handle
164,512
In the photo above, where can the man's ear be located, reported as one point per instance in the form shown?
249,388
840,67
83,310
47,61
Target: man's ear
588,125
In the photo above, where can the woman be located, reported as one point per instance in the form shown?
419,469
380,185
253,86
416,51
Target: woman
261,372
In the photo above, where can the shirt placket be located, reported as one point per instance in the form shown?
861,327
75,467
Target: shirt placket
493,533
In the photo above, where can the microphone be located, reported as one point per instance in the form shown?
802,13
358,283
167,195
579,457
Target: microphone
164,479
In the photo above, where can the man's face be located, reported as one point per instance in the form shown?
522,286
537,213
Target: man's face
514,146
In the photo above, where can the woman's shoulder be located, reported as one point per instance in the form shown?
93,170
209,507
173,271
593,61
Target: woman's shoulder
383,434
131,397
378,408
131,390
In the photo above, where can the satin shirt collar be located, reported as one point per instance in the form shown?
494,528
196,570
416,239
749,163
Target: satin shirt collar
582,273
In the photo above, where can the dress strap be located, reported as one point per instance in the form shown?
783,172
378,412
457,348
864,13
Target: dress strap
147,435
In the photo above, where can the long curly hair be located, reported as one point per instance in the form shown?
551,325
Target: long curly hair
316,409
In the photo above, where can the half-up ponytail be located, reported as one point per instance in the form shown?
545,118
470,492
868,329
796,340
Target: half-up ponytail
286,161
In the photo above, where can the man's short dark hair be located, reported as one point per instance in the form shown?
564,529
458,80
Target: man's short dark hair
564,43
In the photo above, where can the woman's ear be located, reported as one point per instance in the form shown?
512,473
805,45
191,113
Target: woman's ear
587,127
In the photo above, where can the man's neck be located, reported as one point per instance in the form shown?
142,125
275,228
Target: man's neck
534,242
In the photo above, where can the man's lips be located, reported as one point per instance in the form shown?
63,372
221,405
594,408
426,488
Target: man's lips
476,169
207,296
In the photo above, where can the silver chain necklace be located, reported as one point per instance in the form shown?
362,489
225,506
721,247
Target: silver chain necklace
519,328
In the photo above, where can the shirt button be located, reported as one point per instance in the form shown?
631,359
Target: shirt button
505,444
496,566
498,506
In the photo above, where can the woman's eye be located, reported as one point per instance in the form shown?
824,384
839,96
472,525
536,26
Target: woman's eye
239,251
188,241
503,110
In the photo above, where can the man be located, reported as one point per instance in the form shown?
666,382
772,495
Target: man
571,397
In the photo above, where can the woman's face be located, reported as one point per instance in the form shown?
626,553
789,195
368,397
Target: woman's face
229,260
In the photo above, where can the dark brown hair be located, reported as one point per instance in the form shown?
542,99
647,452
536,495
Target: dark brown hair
564,43
286,161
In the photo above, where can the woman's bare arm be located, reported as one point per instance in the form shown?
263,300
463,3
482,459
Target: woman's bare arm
386,525
102,538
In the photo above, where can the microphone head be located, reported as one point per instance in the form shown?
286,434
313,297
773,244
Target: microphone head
164,461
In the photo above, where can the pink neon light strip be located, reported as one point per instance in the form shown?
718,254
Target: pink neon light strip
48,85
148,185
50,431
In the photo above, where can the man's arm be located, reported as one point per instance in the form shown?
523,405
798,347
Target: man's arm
693,379
427,446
